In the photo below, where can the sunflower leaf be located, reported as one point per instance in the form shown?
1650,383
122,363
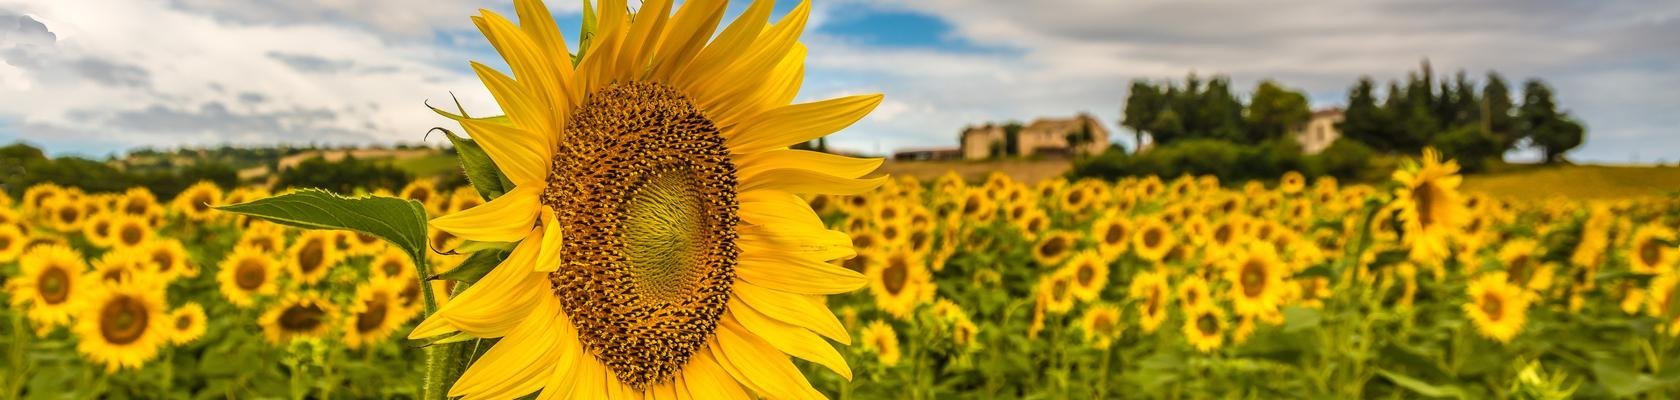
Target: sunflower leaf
474,267
1423,388
480,169
401,222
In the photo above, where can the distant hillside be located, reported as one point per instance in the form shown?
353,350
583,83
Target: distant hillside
1577,182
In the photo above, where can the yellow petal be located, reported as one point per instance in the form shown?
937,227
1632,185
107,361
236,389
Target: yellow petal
538,23
800,180
819,245
704,379
793,340
775,207
729,45
563,383
795,274
505,296
779,89
521,154
585,380
693,24
798,123
793,309
833,164
643,35
531,65
759,366
553,240
506,219
520,107
753,70
516,364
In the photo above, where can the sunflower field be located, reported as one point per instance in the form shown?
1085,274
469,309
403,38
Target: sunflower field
641,222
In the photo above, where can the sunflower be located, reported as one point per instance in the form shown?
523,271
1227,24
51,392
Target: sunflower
1151,291
312,256
1194,292
1662,294
662,161
374,314
186,323
195,202
1152,239
128,232
976,207
123,265
1429,209
464,198
1090,274
425,192
1292,182
878,337
50,282
1595,237
169,259
1521,258
1101,324
64,213
1256,278
1034,223
1113,233
122,324
963,333
12,242
264,236
1052,248
1497,307
897,279
137,201
1650,250
247,272
299,315
36,196
1204,328
1055,291
392,264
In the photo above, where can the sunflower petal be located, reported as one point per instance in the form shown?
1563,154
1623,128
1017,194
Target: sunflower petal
796,274
529,62
779,89
705,379
800,180
563,384
755,67
798,123
793,340
642,36
847,167
524,111
729,45
506,219
505,295
513,366
553,238
814,244
693,24
793,309
759,366
775,207
521,154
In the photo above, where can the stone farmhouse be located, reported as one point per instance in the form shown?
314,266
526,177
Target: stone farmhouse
1319,131
1044,136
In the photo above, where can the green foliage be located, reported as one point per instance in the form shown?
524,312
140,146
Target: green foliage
1274,110
1344,159
1539,120
480,170
23,166
401,222
1229,161
346,175
1470,145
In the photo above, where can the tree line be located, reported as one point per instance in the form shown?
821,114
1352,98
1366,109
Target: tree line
1471,121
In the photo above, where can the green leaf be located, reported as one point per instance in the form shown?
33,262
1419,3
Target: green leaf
481,171
474,267
401,222
1297,319
1322,270
586,33
1423,388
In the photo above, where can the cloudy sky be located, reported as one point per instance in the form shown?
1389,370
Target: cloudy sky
94,77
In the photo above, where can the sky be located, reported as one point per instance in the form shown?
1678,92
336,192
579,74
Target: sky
96,77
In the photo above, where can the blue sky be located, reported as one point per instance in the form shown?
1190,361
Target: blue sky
94,77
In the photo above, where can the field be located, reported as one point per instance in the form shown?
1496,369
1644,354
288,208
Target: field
977,284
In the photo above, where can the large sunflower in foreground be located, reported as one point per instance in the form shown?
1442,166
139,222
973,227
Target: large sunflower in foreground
1429,210
662,246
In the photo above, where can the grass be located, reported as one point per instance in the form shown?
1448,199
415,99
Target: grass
1599,182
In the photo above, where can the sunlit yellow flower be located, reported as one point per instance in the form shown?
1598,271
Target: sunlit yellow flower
374,313
1194,292
49,286
299,315
1204,328
247,272
1650,251
186,323
1152,239
425,191
64,213
123,265
878,337
1521,258
1595,237
122,324
1101,324
1292,182
897,280
1055,291
196,200
1090,274
129,232
1429,207
1662,301
1150,291
1256,279
1033,223
1113,234
1498,308
169,259
12,242
264,236
1053,247
312,256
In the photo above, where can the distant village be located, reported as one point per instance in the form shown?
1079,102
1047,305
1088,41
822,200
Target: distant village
1081,135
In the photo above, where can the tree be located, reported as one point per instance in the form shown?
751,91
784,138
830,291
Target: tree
1364,121
1545,127
1143,102
1274,110
1167,127
1220,114
1495,114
